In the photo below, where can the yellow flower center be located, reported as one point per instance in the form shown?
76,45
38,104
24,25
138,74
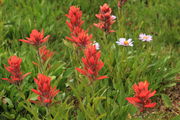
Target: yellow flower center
126,43
145,37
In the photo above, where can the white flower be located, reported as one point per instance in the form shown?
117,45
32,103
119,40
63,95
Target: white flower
97,45
124,42
145,37
113,17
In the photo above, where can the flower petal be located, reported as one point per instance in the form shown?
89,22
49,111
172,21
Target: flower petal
102,77
150,105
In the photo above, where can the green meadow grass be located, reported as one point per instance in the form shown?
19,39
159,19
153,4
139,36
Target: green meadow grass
156,61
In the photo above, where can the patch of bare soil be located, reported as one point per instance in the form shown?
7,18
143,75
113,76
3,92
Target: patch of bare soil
167,113
174,95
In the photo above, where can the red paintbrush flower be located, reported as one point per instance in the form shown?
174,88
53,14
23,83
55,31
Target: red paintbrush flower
75,21
15,71
82,40
78,36
142,96
92,64
106,19
45,54
36,38
121,3
45,91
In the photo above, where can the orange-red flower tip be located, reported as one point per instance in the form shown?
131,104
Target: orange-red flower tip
142,96
45,91
15,70
36,38
92,64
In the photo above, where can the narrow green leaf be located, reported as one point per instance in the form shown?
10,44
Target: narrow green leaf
176,118
166,100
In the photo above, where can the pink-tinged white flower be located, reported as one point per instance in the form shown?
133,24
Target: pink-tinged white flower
145,37
113,17
124,42
96,45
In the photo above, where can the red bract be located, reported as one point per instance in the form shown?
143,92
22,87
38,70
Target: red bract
92,64
45,54
82,40
121,3
106,19
78,36
75,21
142,96
15,71
36,38
45,91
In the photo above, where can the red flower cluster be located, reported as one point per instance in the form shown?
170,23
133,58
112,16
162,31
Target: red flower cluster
92,64
45,91
75,22
45,54
121,3
36,38
78,36
14,68
106,19
82,40
142,96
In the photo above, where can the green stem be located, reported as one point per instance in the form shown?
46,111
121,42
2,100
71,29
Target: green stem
93,88
107,101
39,61
120,22
21,92
48,115
105,38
